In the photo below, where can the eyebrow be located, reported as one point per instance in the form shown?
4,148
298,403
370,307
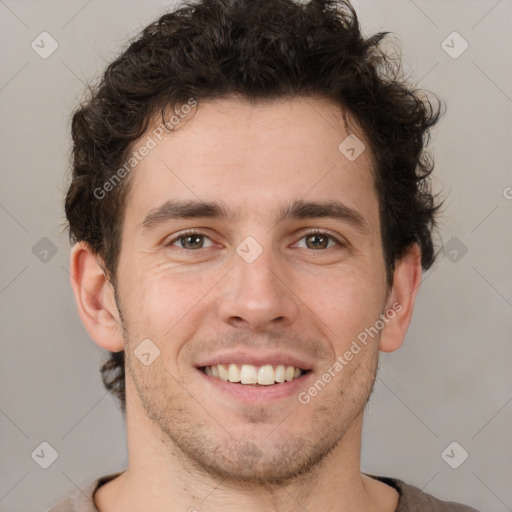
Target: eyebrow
299,209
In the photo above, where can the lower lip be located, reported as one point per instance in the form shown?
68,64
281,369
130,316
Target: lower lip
250,394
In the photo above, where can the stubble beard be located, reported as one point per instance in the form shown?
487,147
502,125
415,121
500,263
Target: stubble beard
189,431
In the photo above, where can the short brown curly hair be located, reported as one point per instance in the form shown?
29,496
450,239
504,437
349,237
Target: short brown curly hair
260,50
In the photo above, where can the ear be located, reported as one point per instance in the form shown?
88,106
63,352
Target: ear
94,296
401,298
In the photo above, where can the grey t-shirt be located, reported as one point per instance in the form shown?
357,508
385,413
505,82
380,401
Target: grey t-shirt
412,499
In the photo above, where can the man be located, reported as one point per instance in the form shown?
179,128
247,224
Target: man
251,213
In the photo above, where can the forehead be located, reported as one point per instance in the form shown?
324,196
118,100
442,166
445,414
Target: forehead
253,156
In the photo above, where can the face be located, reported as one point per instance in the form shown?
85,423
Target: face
273,278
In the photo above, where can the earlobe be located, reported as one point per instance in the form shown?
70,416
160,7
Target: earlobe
400,303
94,296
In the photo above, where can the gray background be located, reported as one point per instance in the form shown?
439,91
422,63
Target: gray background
451,381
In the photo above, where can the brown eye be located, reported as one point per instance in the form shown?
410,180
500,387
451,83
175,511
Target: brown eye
190,241
318,241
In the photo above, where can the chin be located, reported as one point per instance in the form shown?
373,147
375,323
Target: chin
267,462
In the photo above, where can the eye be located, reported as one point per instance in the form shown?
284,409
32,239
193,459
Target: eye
190,240
320,240
194,240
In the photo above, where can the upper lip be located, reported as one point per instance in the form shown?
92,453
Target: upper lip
258,358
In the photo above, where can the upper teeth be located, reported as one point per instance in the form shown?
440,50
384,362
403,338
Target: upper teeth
250,374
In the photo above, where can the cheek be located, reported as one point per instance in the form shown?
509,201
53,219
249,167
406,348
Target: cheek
346,302
162,302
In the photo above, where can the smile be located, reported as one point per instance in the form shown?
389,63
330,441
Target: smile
248,374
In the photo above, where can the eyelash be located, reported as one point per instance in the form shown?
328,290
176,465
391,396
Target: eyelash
192,232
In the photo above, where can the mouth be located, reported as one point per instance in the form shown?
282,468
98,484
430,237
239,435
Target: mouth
250,377
264,375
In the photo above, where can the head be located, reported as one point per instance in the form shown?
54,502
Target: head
244,105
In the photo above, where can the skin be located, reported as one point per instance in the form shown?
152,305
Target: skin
192,446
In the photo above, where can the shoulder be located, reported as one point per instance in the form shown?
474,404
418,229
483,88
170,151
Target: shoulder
413,499
66,505
75,504
82,500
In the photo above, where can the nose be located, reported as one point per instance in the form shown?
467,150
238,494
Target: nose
258,295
